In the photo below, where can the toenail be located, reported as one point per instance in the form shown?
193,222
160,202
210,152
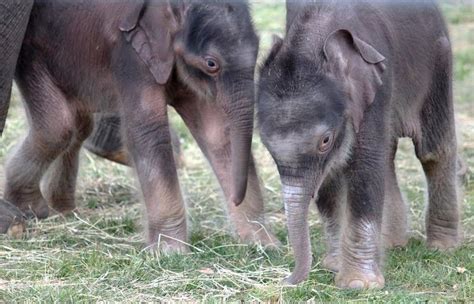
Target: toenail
356,284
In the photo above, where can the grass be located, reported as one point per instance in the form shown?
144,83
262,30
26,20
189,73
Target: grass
97,254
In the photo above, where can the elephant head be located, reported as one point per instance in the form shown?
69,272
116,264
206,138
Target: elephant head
211,47
309,111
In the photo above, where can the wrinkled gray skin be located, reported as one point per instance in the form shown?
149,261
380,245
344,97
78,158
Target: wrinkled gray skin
135,58
14,16
335,95
106,140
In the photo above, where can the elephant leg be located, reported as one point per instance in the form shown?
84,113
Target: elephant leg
14,16
329,202
51,131
361,236
60,181
437,152
149,143
443,215
210,128
12,220
361,247
106,141
394,223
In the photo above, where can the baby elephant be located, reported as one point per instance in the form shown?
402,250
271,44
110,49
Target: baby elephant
348,80
136,58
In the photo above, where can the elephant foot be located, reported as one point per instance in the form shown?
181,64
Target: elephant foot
359,279
60,200
39,210
170,238
12,220
31,204
64,209
65,212
445,243
17,229
293,279
289,281
391,242
259,235
168,246
443,238
331,262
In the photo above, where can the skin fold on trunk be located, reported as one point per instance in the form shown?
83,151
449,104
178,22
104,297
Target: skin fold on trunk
240,144
241,117
297,202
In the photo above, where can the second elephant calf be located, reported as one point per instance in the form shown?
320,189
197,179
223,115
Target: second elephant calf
348,80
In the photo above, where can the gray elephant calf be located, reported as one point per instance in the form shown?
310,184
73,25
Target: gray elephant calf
136,58
348,80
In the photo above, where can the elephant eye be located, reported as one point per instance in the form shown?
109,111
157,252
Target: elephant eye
325,144
211,65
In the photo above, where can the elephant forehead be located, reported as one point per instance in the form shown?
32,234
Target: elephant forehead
239,56
247,54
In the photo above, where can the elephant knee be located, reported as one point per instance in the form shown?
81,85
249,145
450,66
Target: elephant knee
55,142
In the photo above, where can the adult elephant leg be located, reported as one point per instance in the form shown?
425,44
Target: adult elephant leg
149,142
211,129
60,182
14,16
330,201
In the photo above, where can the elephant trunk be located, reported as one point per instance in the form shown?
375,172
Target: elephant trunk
15,16
297,199
241,142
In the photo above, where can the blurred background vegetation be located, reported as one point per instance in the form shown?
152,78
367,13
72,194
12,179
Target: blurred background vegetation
97,254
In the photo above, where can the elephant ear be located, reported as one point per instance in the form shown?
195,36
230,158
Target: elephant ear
149,27
359,66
